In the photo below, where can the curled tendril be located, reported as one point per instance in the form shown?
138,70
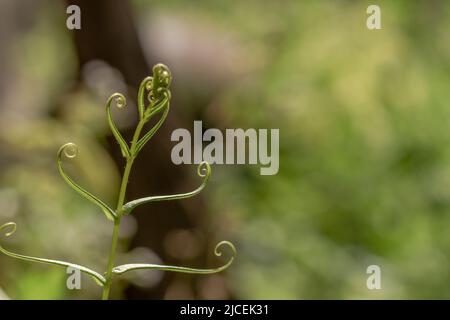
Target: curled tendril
203,170
146,84
70,150
13,227
136,266
121,102
99,279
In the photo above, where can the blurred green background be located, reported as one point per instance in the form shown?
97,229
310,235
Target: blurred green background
364,146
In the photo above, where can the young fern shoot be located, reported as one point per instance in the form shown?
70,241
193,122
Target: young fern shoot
153,99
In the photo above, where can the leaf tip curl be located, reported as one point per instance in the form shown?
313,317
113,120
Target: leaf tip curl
204,169
12,226
70,150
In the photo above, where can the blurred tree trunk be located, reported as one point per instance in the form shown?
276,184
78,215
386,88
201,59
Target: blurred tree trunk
108,33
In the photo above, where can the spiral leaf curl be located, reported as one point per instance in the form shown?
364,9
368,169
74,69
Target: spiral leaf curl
137,266
99,279
121,102
70,150
203,170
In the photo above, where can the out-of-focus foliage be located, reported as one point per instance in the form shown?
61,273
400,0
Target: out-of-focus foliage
364,152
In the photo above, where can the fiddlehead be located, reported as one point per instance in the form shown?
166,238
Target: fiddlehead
159,93
121,102
158,97
203,170
162,77
99,279
136,266
70,150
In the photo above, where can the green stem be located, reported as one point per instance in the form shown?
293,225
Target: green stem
112,253
119,211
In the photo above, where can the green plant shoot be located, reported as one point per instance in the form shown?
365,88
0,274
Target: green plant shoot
153,99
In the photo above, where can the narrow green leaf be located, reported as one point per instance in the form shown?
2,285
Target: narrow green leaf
203,170
120,101
70,151
136,266
99,279
145,85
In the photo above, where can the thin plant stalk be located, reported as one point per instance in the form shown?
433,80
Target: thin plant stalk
119,213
